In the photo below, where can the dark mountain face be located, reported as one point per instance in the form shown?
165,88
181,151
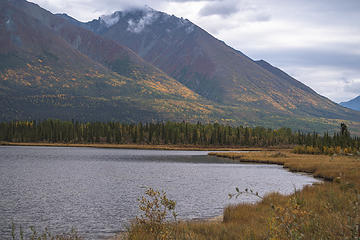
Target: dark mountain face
353,103
211,68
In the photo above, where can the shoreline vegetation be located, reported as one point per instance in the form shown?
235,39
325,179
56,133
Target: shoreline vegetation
328,210
174,136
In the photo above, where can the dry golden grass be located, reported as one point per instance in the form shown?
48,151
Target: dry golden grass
344,168
330,210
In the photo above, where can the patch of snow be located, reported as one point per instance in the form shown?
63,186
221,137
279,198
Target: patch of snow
137,27
189,29
9,25
110,20
148,9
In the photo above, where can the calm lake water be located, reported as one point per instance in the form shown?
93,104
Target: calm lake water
96,190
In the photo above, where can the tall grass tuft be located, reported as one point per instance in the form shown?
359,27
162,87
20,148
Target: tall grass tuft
44,235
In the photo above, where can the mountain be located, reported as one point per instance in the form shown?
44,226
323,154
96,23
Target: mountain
212,69
52,68
353,103
144,65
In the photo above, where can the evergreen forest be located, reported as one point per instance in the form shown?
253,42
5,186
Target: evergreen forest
175,133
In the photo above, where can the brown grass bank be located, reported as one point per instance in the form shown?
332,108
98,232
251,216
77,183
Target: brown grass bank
330,210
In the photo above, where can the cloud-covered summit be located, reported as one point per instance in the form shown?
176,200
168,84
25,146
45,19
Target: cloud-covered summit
110,20
136,26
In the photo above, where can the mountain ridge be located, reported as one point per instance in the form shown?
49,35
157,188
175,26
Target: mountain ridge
352,103
211,68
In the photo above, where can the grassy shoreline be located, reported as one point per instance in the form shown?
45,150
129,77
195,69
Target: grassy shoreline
330,168
142,146
329,210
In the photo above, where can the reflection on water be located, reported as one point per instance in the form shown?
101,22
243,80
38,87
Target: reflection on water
96,190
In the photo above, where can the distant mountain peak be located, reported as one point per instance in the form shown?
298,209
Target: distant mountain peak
352,104
140,13
137,19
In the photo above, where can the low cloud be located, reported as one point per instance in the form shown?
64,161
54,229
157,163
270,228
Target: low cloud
224,9
138,26
353,86
260,17
110,20
227,8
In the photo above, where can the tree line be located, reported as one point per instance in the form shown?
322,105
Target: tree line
181,133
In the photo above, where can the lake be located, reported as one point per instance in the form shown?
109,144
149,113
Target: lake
95,190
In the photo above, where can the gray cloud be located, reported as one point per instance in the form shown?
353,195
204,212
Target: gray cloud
337,6
310,57
227,8
223,9
353,87
261,17
335,83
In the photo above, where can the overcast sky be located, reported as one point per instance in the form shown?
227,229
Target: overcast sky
317,42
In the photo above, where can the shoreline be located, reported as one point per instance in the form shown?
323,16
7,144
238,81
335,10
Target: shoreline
144,146
287,161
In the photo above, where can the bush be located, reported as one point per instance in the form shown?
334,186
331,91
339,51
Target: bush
156,210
